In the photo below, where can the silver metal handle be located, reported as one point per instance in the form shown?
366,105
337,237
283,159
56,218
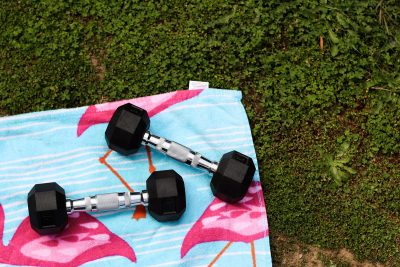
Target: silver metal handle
106,202
179,152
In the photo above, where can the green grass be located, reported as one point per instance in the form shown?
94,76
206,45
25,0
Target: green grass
325,119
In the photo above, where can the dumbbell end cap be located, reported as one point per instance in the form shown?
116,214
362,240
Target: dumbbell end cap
233,177
47,208
126,129
167,200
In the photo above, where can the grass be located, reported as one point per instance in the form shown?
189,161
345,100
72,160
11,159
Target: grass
320,80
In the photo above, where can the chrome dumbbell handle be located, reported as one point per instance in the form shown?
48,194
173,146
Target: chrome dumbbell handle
179,152
106,202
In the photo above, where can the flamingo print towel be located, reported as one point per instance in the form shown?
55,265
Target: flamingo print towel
67,146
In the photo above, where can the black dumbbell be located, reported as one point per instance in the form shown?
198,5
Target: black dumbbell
48,207
128,129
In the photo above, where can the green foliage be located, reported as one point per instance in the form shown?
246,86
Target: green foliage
337,165
361,214
383,123
320,81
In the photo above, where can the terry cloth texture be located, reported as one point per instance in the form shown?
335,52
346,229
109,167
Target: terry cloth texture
67,146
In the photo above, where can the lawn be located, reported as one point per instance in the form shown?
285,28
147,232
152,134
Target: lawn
320,80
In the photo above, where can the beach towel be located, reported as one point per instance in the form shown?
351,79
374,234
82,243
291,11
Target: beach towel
67,146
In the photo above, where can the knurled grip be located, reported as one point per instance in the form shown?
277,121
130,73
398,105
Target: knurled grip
178,152
112,201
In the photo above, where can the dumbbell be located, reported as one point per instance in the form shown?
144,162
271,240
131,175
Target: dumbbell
129,128
49,208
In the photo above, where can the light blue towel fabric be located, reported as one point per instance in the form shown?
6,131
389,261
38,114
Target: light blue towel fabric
44,147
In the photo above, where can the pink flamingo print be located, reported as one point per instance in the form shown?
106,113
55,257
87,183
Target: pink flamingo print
85,239
102,113
239,222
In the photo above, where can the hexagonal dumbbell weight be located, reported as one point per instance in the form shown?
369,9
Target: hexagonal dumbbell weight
49,208
128,129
